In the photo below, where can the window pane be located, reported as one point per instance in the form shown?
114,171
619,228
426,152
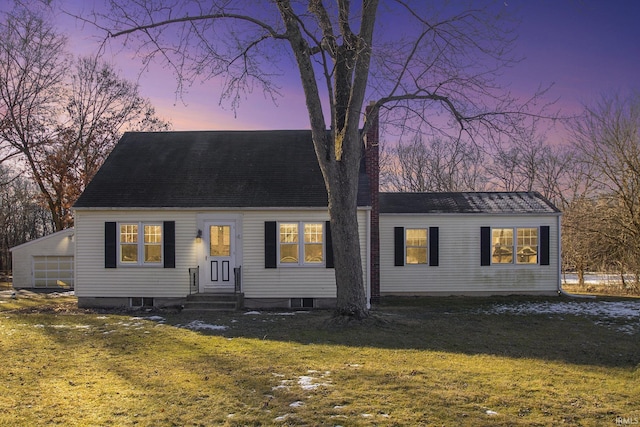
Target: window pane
289,243
128,233
527,245
153,234
219,240
152,253
288,253
417,237
313,253
502,251
289,233
313,233
416,255
416,242
129,253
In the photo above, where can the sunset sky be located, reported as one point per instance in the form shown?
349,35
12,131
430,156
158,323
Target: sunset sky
584,48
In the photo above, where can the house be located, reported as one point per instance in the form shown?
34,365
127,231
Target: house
173,215
468,244
45,263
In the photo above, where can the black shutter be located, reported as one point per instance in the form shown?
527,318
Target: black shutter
110,247
169,235
398,240
270,249
434,243
544,245
328,245
485,245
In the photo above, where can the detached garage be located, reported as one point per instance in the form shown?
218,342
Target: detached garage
45,263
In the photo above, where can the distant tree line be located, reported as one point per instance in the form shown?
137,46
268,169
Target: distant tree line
60,117
593,177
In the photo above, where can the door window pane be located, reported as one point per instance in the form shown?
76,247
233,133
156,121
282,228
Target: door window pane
220,238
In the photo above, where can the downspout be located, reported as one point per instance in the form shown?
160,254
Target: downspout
560,290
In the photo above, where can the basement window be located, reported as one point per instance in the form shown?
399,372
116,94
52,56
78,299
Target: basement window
140,302
302,303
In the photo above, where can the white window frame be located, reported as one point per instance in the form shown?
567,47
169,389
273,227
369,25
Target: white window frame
301,245
514,245
407,246
140,244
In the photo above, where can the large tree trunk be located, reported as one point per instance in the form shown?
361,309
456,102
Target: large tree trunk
351,296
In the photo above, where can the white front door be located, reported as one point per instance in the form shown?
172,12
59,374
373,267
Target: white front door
216,269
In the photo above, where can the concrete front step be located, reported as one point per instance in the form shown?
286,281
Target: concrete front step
214,302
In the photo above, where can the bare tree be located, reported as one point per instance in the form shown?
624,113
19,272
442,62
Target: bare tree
607,138
22,217
437,165
444,61
60,125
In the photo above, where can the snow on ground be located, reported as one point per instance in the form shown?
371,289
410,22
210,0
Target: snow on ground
199,325
596,278
609,309
623,316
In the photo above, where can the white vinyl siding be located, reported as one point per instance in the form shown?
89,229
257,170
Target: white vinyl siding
459,270
94,280
309,282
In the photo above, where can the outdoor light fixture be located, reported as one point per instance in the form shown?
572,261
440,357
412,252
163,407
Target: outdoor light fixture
199,234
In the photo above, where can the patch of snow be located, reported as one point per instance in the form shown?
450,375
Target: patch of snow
610,309
200,325
596,279
491,413
281,418
366,415
606,313
252,313
155,318
285,313
61,294
307,383
296,404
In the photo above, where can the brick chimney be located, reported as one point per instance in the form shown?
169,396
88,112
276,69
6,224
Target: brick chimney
372,168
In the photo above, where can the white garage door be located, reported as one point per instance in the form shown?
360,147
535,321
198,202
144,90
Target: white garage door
53,272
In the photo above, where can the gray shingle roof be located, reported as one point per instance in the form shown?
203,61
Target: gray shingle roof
469,202
211,169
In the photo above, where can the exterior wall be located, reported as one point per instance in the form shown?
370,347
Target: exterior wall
459,271
57,244
93,280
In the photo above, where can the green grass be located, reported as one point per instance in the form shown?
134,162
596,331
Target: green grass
442,361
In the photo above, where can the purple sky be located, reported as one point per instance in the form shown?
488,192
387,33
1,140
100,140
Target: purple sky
585,48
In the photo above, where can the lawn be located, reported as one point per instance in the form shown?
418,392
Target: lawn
432,362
